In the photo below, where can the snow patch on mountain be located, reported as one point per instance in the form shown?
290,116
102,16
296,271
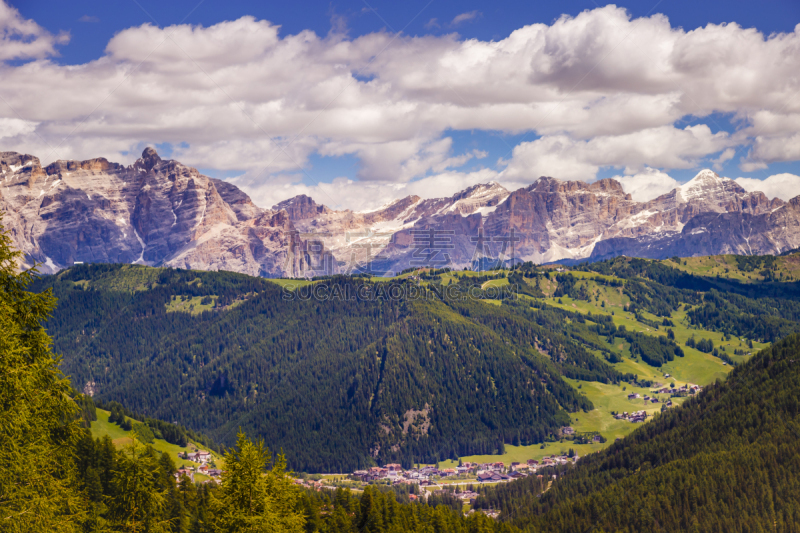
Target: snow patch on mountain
704,183
141,243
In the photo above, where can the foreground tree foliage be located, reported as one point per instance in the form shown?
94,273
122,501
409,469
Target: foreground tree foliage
133,489
251,499
378,511
37,424
137,504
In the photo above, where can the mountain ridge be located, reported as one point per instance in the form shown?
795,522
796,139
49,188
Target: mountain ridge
162,213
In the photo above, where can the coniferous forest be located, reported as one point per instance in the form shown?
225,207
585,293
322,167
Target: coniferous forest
342,382
351,266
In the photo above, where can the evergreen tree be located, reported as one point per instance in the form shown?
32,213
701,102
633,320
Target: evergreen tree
137,503
253,499
38,428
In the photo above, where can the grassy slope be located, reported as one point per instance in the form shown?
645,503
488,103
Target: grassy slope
290,284
130,278
192,305
102,427
694,368
725,266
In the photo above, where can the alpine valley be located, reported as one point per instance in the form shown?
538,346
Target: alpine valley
162,213
518,295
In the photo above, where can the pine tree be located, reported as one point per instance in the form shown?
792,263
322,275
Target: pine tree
38,427
137,502
252,498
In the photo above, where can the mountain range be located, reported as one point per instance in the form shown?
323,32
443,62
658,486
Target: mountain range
162,213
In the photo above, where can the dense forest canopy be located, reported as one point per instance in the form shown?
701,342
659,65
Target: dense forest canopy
406,380
349,373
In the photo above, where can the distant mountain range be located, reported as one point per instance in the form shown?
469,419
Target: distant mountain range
160,212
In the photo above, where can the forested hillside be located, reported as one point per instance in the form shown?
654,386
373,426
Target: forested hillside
726,461
340,382
454,364
764,309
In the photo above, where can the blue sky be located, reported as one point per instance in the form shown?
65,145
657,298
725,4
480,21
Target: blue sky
493,20
741,137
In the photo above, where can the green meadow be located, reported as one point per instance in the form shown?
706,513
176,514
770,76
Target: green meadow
694,368
102,427
190,304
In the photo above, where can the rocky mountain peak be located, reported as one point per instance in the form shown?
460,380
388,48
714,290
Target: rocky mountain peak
160,212
150,158
100,164
545,184
302,207
14,161
706,184
481,190
606,187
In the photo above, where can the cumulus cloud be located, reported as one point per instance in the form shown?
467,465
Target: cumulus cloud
647,185
11,127
783,186
555,156
598,90
21,38
772,149
562,157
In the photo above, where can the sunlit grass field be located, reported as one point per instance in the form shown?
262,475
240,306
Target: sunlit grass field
102,427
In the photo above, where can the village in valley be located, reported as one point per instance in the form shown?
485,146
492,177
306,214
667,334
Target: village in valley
641,416
431,478
461,481
469,472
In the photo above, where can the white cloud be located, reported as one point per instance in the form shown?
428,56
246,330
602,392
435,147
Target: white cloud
783,186
562,157
599,90
726,155
21,38
647,185
465,17
772,149
11,127
556,156
344,193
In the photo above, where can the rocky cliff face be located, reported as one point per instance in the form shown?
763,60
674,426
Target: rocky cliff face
554,220
154,212
160,212
365,238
